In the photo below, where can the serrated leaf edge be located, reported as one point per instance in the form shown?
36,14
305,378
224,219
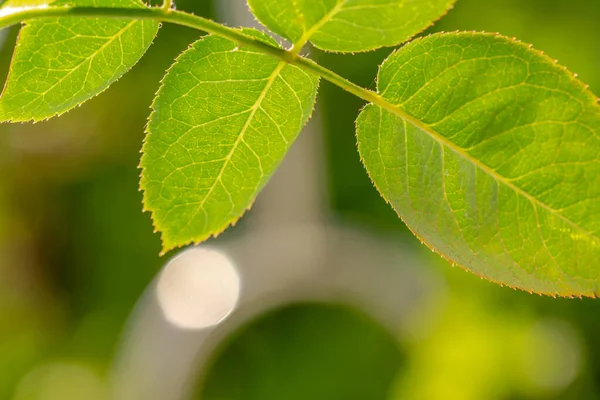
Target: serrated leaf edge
59,113
593,101
167,247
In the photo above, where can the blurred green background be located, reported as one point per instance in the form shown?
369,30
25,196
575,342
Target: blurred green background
76,253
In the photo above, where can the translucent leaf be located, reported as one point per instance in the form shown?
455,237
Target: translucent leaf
498,165
222,122
349,25
60,63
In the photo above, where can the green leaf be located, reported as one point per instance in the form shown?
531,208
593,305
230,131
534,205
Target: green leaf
348,25
222,122
60,63
494,162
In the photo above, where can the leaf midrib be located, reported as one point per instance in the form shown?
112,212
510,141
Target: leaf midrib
308,34
313,29
255,107
442,140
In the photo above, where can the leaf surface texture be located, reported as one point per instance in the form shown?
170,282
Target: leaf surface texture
222,122
349,25
496,166
60,63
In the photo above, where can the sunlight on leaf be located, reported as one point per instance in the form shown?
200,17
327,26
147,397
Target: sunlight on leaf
60,63
499,170
12,6
222,122
349,25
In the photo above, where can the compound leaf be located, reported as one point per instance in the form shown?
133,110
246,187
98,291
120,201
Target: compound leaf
223,119
60,63
490,152
349,25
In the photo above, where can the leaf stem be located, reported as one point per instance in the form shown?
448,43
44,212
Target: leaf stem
15,15
167,5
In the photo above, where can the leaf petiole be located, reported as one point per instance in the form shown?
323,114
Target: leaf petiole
167,5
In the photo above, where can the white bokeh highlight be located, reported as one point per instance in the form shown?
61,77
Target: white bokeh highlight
198,289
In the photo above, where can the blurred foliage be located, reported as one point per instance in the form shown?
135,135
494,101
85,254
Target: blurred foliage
478,340
76,253
305,351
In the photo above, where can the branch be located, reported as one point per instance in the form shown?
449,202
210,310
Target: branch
15,15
